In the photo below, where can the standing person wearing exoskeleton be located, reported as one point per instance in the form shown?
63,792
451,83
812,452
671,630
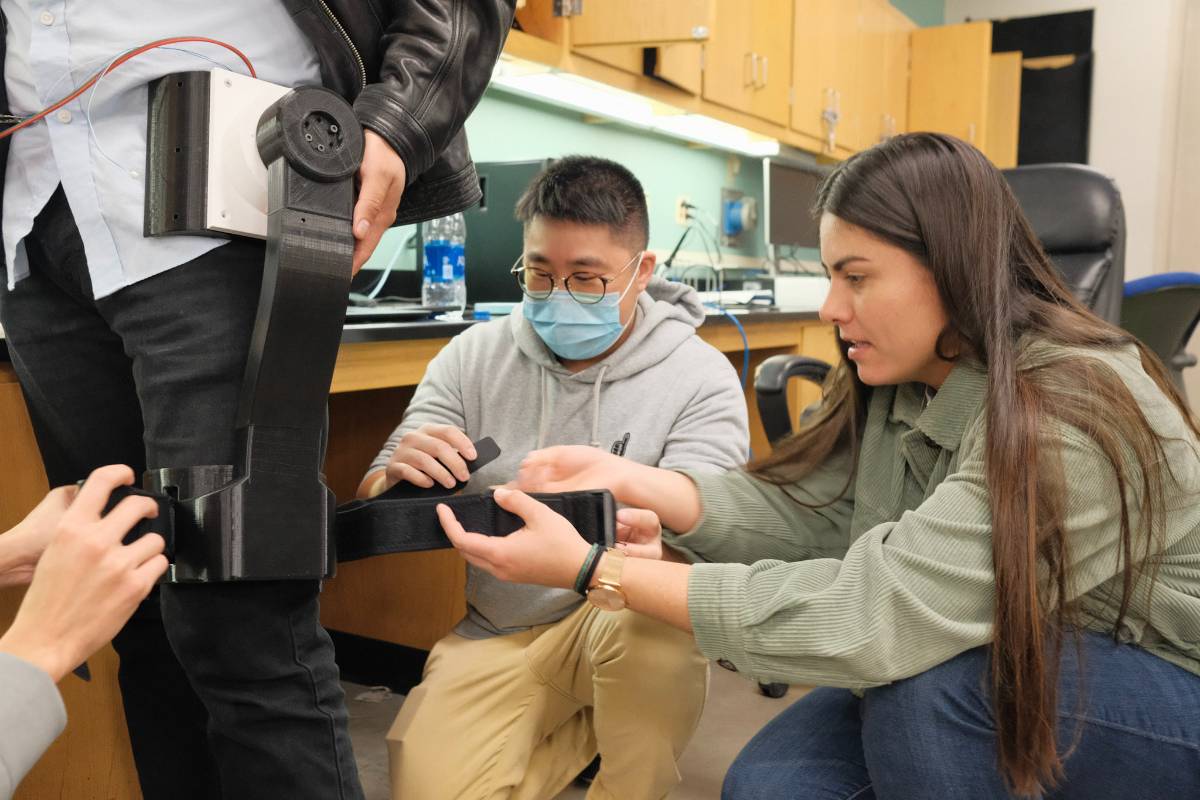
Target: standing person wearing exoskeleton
132,350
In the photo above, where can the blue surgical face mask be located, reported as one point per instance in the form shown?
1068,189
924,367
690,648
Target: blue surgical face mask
577,331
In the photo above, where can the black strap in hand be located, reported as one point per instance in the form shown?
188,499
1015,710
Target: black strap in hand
387,525
404,518
163,524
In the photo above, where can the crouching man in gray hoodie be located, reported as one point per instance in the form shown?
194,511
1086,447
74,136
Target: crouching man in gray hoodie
534,682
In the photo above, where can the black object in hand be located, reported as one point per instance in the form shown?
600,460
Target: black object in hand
486,451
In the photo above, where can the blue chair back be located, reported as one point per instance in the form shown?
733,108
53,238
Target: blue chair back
1162,311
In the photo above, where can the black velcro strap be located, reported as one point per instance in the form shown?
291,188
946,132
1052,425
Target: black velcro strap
163,524
375,527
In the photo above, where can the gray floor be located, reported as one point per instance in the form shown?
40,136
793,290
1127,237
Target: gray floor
735,711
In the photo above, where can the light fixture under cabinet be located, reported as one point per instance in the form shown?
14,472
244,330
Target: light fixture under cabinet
548,85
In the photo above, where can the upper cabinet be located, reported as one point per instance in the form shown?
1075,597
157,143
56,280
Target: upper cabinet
949,80
676,64
645,22
747,58
825,48
898,28
729,76
880,103
680,65
772,40
829,76
1004,108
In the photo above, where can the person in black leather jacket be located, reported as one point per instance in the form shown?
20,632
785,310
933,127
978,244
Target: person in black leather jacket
229,690
414,71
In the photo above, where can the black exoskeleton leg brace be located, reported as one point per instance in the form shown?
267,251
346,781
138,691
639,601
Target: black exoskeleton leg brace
270,515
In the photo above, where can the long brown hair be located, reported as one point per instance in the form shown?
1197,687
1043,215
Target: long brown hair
939,199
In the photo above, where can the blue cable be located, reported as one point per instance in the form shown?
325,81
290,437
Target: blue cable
745,342
745,355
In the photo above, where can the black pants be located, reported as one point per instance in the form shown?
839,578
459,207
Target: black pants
230,690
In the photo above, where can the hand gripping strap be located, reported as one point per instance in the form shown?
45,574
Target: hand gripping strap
163,524
399,522
383,525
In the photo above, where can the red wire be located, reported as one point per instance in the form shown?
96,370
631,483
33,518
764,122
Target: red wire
132,53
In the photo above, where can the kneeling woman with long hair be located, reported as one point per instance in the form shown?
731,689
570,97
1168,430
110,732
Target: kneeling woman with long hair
985,545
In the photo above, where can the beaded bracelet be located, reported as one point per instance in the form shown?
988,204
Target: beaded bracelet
587,569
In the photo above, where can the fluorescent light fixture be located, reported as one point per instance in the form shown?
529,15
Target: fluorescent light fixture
580,94
710,131
546,84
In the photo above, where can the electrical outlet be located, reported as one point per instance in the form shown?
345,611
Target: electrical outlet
681,209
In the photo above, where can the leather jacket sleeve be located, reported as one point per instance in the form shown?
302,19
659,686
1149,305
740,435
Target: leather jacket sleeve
437,60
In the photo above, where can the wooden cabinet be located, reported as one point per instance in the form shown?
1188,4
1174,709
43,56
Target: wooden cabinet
829,76
681,65
871,80
624,57
880,102
949,80
677,64
897,53
728,68
643,22
825,45
771,37
747,57
1004,108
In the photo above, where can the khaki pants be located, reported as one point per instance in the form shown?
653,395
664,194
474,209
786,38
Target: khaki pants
519,716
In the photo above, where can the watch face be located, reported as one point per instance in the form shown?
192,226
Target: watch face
606,598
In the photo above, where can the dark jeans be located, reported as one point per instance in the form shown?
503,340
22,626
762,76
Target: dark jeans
230,690
932,737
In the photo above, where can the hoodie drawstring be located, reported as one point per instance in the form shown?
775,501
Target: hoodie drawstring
544,411
596,406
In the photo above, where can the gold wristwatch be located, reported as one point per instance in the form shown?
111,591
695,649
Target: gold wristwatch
606,595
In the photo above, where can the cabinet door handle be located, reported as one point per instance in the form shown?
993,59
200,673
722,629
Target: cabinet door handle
764,75
971,132
889,127
753,81
830,117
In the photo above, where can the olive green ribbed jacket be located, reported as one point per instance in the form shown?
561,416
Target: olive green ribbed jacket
896,577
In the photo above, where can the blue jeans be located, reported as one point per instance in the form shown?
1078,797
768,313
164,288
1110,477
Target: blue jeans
932,736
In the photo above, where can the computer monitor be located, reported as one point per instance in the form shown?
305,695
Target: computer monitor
494,236
789,191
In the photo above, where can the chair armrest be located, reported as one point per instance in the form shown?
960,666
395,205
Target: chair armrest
770,381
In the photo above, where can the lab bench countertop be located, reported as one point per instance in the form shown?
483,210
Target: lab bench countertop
356,333
365,332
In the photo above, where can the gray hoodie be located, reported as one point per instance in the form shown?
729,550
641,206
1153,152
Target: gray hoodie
31,716
675,397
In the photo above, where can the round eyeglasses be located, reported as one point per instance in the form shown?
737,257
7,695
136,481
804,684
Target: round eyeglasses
585,288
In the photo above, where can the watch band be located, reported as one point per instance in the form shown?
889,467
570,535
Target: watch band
606,595
608,573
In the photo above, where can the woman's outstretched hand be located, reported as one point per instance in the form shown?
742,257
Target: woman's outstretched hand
548,551
570,468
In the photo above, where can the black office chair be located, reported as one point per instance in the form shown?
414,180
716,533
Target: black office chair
1162,311
1077,215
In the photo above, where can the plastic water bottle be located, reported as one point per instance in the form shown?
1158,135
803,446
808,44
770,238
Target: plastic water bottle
445,279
